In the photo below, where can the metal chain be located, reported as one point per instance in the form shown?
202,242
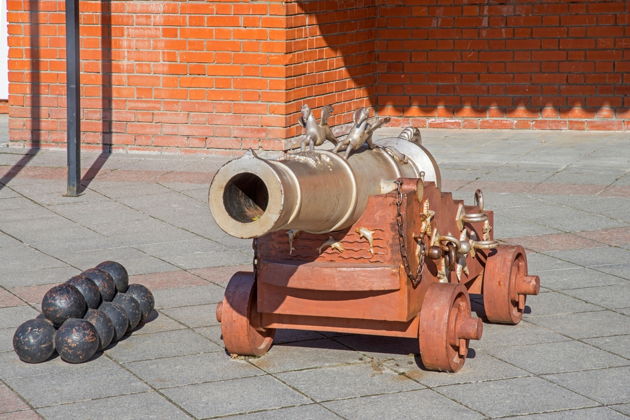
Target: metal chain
414,278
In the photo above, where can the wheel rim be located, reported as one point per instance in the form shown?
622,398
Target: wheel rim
236,311
506,285
446,326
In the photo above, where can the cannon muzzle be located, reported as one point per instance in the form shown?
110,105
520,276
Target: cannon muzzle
316,191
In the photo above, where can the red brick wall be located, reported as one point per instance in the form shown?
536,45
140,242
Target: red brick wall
505,64
233,74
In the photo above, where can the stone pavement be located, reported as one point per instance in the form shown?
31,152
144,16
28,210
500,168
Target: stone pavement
565,196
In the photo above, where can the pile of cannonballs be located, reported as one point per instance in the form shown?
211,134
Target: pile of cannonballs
84,315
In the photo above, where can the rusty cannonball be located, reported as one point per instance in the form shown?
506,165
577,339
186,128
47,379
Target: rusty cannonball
118,273
144,298
88,290
76,341
131,307
118,316
34,341
62,302
104,326
103,281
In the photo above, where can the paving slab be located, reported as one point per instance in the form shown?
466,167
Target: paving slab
577,278
192,369
404,405
565,356
348,381
607,386
306,412
235,396
149,405
161,344
76,384
619,344
613,297
480,368
600,413
306,354
586,324
515,396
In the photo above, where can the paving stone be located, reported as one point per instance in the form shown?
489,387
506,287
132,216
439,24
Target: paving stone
555,303
515,396
162,344
607,386
234,396
76,384
7,299
16,315
212,333
159,323
306,354
306,412
6,339
21,415
168,280
600,413
348,381
565,356
405,405
15,259
615,296
592,257
586,324
622,408
36,277
196,253
538,263
222,274
619,344
10,401
188,296
498,335
194,316
148,405
135,261
577,278
482,367
619,270
193,369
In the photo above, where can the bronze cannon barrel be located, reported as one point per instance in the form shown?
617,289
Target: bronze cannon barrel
315,191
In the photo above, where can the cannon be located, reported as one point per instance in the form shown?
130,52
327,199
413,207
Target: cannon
362,241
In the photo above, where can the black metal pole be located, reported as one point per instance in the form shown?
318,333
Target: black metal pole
74,104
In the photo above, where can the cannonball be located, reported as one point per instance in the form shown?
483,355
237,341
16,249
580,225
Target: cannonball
144,297
103,281
62,302
104,326
88,289
34,341
76,341
131,307
118,316
118,273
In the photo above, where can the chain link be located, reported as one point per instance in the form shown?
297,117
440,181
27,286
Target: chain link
414,278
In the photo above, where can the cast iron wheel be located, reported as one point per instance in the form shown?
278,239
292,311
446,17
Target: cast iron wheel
446,327
506,285
235,314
